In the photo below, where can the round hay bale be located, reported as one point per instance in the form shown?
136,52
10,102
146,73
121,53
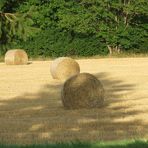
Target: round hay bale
82,91
63,68
16,57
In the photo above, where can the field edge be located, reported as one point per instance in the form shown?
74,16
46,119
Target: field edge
140,143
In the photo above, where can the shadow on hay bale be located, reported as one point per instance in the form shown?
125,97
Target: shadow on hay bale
63,68
16,57
82,91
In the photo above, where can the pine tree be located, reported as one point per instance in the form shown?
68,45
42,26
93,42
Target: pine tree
10,26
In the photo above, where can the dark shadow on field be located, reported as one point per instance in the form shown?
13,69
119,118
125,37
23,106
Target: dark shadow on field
40,118
115,90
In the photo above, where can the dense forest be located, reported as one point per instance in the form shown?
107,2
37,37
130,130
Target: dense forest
74,27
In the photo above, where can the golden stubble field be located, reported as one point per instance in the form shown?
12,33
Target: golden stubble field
31,110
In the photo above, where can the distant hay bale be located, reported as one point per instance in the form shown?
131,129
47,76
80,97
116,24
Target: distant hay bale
63,68
16,57
82,91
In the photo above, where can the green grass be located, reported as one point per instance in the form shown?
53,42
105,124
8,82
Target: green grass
118,144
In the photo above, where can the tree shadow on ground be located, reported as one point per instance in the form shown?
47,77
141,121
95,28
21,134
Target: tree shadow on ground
41,117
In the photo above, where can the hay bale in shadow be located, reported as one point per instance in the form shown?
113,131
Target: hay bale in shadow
16,57
82,91
63,68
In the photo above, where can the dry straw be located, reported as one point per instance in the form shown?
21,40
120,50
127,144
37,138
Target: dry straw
63,68
16,57
82,91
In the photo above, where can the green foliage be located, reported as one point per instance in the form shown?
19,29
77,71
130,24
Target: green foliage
54,43
110,20
10,5
14,26
82,27
9,27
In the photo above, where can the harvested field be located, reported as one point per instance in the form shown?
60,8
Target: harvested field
31,110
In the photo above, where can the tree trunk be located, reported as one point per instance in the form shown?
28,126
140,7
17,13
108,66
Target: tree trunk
117,49
126,17
113,50
110,49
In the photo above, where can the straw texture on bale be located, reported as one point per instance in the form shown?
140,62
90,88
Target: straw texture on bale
63,68
16,57
82,91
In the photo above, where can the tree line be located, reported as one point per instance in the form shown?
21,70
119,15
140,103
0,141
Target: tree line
74,27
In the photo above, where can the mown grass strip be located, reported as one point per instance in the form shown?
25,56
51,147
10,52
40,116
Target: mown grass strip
116,144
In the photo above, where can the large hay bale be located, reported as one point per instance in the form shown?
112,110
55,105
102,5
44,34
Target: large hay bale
63,68
16,57
82,91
